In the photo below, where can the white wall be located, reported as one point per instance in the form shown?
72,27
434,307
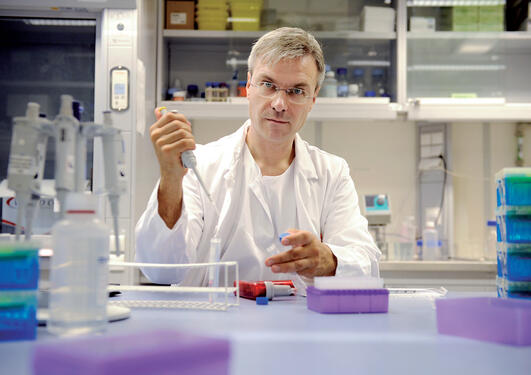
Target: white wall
473,181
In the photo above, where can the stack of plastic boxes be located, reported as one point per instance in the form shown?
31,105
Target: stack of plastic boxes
513,219
19,276
212,14
245,14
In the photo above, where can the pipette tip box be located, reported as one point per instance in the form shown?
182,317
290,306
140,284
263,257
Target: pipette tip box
347,301
155,353
504,321
18,315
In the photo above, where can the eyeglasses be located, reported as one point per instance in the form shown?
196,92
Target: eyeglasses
268,90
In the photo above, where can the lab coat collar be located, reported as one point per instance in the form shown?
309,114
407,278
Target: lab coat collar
303,163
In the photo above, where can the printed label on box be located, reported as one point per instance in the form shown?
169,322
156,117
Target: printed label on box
178,18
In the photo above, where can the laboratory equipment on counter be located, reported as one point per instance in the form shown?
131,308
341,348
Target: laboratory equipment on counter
28,152
26,163
154,352
115,173
269,289
491,237
378,214
66,129
180,297
503,321
79,271
340,295
431,245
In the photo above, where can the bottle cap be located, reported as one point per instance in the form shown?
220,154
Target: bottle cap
281,236
341,71
80,203
32,110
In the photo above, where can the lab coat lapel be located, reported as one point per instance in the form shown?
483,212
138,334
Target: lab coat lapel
306,181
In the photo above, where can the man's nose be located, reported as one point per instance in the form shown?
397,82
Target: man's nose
280,101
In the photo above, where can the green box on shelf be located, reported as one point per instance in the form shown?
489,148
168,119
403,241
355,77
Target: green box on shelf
491,15
465,15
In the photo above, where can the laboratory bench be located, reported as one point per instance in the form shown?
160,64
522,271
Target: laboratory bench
284,337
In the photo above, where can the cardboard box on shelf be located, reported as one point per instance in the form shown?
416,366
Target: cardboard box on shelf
180,14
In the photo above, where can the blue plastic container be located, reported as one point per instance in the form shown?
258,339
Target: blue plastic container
518,268
513,187
19,266
514,261
514,228
18,315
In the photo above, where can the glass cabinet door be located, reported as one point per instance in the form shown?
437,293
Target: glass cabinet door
462,50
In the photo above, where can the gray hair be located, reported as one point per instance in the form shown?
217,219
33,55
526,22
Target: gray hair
287,43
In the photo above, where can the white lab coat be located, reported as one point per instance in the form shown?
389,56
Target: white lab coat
326,202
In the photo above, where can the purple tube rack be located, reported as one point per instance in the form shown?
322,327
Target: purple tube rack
347,301
154,353
505,321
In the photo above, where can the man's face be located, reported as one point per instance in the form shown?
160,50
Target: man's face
276,119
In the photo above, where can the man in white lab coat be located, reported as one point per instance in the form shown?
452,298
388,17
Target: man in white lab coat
264,180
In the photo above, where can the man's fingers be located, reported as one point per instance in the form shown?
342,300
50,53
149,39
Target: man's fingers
295,266
288,256
298,238
168,117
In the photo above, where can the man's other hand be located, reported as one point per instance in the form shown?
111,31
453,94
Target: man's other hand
308,256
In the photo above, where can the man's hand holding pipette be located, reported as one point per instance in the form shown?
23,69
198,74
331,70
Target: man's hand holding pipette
171,135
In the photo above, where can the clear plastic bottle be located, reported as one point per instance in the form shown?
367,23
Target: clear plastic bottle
378,82
329,89
233,89
357,83
342,83
79,270
431,246
209,93
490,241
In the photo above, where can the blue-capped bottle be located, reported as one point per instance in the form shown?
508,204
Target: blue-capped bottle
342,83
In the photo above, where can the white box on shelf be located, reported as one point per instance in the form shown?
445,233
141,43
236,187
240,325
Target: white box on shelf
377,19
418,24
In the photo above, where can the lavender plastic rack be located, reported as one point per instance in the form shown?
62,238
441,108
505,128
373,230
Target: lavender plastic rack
505,321
339,301
154,353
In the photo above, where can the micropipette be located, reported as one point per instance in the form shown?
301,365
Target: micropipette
189,161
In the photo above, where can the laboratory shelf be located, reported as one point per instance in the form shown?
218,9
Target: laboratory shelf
492,35
448,109
229,34
324,109
453,3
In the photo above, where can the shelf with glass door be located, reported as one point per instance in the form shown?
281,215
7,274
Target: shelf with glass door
229,34
324,109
